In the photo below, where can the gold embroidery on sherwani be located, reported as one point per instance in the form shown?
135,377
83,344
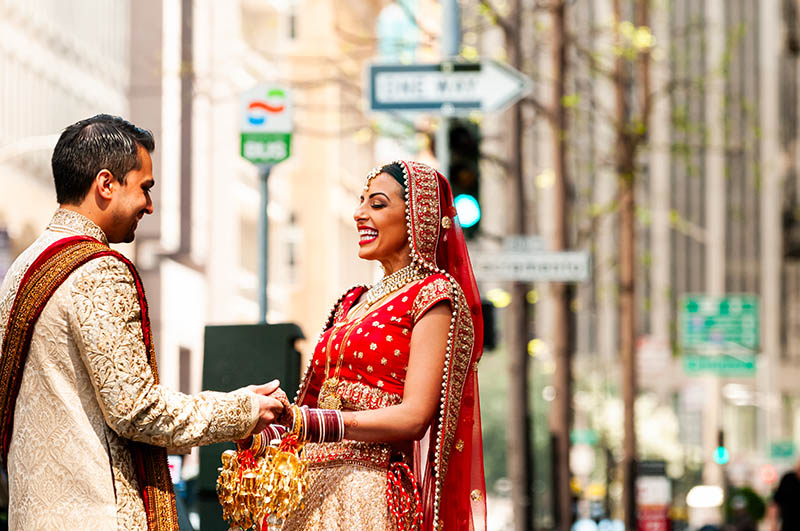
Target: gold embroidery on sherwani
43,279
87,390
30,299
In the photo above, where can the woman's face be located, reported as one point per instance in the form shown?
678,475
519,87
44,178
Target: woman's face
381,222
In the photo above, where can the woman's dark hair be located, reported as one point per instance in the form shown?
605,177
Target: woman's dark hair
88,146
396,171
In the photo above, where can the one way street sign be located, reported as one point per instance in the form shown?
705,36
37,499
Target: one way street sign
447,87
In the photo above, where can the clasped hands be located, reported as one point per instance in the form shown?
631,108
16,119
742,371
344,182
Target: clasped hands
276,414
273,404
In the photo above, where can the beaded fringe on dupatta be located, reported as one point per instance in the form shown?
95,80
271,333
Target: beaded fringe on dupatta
40,282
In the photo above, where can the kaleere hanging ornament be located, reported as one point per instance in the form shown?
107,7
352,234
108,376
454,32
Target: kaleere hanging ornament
261,482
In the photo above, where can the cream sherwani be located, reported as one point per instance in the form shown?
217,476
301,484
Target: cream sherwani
86,390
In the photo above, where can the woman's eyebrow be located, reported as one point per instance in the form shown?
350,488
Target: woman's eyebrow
378,193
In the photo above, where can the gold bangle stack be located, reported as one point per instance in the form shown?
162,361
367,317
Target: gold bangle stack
259,444
297,422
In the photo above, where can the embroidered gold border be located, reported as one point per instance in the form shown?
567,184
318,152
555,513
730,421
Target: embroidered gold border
31,297
463,335
424,207
150,461
359,396
370,455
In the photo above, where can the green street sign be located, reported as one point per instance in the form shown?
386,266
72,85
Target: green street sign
722,365
718,324
266,148
583,436
782,450
266,126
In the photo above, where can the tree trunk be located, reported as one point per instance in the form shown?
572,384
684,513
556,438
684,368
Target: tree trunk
628,140
520,452
561,415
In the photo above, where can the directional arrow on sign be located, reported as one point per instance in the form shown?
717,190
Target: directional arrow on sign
447,87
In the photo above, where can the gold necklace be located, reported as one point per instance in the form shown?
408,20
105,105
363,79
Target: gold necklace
328,397
391,283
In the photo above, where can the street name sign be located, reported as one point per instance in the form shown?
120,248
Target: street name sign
722,365
266,126
782,449
583,436
567,266
715,324
447,87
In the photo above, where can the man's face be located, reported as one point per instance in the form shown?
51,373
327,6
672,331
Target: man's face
131,201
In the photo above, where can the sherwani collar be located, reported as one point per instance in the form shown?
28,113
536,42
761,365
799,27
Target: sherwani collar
73,223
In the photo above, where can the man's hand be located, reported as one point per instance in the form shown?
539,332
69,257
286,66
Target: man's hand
268,410
265,389
272,402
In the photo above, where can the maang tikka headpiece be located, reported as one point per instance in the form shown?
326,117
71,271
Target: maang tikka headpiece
370,176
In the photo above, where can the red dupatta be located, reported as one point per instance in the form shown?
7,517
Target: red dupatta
450,461
40,282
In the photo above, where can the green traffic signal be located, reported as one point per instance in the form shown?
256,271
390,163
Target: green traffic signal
721,455
468,209
464,173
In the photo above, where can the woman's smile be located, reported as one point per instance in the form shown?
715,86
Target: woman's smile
367,235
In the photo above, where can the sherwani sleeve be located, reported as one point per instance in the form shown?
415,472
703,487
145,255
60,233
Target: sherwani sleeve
106,321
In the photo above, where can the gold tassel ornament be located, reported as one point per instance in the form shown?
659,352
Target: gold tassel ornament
268,483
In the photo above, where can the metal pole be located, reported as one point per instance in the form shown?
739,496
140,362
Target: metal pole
263,235
451,29
443,145
716,220
450,45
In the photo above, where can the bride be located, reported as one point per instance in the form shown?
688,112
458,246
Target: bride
389,402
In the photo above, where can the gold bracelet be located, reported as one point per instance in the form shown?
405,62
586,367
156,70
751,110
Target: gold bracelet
258,446
297,423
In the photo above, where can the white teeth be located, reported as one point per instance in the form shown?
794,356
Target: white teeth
367,234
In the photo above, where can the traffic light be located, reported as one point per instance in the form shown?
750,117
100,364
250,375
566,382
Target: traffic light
464,173
721,453
489,326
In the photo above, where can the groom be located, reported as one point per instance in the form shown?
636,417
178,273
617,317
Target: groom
83,420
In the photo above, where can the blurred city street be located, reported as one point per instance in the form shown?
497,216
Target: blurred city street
626,173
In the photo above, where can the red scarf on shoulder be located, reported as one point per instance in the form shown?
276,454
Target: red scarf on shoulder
39,283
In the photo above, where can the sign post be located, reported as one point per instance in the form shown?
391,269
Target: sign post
266,134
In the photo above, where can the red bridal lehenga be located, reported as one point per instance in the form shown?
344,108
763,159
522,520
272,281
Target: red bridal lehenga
360,363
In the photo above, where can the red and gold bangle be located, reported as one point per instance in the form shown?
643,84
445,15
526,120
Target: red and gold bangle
274,432
323,425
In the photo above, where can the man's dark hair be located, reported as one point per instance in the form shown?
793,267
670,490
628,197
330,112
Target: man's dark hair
90,145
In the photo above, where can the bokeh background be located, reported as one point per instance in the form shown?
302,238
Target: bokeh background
659,140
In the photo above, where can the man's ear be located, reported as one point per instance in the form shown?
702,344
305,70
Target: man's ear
104,181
